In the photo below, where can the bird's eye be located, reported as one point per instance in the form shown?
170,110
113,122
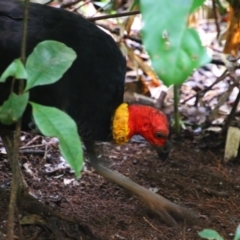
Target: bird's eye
159,135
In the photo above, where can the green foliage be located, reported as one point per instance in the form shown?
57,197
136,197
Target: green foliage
196,4
13,108
237,234
16,70
175,50
53,122
48,62
211,234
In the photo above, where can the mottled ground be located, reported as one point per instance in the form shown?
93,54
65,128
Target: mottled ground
193,177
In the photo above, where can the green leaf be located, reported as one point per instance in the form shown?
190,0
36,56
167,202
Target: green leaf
196,4
54,123
174,49
15,69
210,234
135,4
48,62
13,108
237,234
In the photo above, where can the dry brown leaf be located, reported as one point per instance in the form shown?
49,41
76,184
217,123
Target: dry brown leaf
128,23
137,87
144,66
192,21
233,33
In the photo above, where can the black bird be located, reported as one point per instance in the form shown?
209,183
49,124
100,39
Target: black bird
91,91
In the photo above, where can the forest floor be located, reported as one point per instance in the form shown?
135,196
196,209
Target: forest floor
193,176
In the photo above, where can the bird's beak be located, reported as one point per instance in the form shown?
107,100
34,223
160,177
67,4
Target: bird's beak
163,152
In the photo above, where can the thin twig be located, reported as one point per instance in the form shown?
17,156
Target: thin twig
45,153
117,32
34,152
125,14
184,230
31,141
33,146
151,225
219,79
216,18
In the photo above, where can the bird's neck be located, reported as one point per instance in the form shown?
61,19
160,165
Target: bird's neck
127,121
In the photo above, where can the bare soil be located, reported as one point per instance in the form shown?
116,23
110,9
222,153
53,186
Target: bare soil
193,176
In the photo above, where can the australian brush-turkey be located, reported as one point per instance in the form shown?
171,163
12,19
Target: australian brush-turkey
91,91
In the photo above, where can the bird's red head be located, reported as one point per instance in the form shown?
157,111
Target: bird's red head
146,121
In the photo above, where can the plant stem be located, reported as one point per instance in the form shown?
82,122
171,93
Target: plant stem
13,141
176,112
12,152
230,117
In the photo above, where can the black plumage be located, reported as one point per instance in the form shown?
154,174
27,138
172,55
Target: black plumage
99,67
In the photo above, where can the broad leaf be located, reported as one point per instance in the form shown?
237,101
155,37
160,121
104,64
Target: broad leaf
48,62
237,234
13,108
15,69
210,234
54,123
175,50
196,4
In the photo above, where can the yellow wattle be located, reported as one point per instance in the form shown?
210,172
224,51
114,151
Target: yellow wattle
120,128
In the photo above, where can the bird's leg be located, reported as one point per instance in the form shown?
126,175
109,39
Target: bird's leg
163,207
